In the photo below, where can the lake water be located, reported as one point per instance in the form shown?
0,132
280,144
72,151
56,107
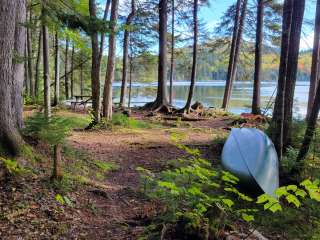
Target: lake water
210,93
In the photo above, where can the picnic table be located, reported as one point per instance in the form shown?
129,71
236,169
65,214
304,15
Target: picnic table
83,100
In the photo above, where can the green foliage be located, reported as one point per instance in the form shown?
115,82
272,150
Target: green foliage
105,166
196,193
63,200
12,166
52,131
121,120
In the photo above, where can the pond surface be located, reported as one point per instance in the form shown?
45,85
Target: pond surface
210,93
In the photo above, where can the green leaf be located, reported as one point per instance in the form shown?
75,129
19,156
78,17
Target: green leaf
228,202
306,183
247,218
292,188
263,198
275,207
293,199
60,199
201,208
301,193
281,191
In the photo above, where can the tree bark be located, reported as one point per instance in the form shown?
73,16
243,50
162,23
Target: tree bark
107,95
297,20
30,57
278,111
232,54
195,56
311,127
126,41
162,103
81,80
66,66
103,36
315,71
19,68
172,51
46,66
256,100
57,170
38,61
95,67
12,37
72,71
56,71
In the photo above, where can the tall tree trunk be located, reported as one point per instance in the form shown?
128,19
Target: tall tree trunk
256,101
30,57
38,62
72,71
130,81
103,36
95,68
56,71
66,67
195,56
126,41
162,103
81,80
46,66
297,20
278,111
12,38
19,67
315,71
232,53
26,82
172,51
107,95
311,127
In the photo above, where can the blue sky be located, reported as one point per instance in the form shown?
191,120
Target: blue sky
212,15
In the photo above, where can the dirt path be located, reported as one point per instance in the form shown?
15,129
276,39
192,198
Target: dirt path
123,213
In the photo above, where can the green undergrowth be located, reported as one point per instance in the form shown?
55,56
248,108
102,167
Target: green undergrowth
120,120
81,168
201,200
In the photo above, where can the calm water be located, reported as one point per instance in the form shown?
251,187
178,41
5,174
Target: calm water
210,93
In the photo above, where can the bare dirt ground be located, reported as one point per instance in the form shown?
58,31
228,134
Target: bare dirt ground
124,213
109,208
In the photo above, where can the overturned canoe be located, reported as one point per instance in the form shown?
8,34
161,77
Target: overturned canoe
250,155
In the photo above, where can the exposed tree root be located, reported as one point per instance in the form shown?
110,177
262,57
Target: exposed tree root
197,108
157,106
185,118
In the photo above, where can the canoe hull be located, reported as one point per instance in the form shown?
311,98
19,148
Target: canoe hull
250,155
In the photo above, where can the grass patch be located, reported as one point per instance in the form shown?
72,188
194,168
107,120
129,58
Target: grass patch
119,119
105,166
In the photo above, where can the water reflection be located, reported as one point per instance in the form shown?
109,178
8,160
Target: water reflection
210,93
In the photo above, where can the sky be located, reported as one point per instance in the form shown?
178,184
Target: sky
212,15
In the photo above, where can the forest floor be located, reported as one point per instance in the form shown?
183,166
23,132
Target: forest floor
100,196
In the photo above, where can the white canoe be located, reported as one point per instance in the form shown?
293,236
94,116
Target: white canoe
250,155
